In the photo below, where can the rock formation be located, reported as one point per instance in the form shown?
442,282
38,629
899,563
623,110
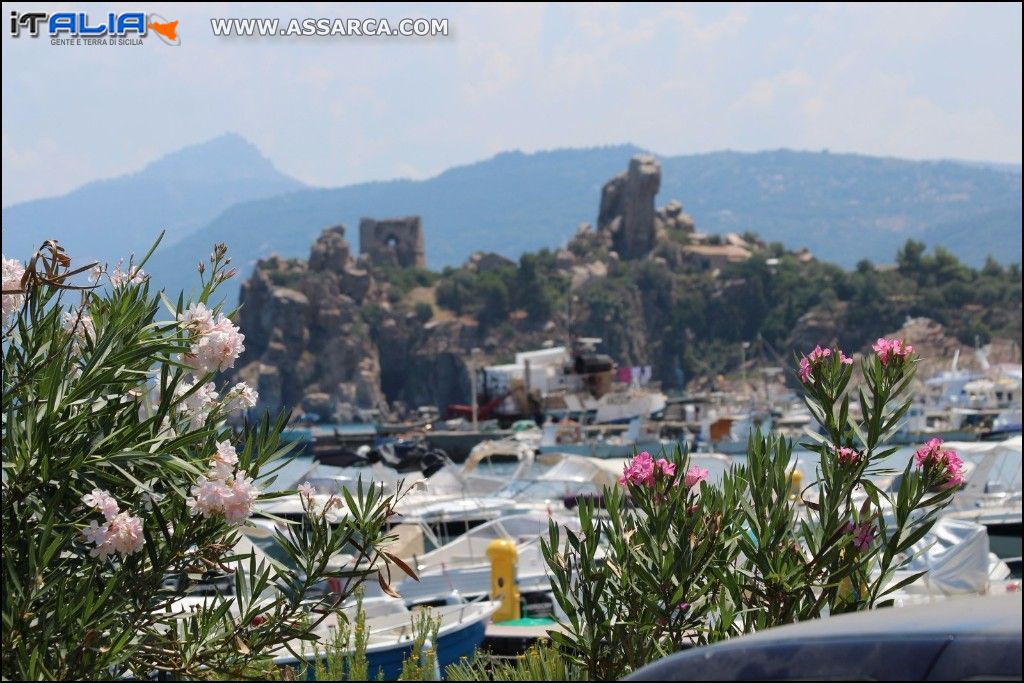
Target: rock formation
627,207
306,341
671,217
482,262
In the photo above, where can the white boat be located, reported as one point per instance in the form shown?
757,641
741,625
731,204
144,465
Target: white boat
328,479
961,405
728,432
992,494
453,501
460,569
617,406
449,502
456,498
389,623
563,382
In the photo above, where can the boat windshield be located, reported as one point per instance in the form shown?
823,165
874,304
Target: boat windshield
1005,473
547,489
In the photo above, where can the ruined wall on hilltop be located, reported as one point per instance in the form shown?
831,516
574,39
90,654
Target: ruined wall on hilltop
393,241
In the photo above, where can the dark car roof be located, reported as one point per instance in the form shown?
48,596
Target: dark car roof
978,637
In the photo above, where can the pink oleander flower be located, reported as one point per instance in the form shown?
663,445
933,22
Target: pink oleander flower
208,496
233,498
121,533
805,370
79,324
103,502
846,455
238,506
95,533
844,359
306,490
811,361
134,275
223,461
13,271
954,469
694,475
892,350
931,455
639,470
667,468
819,353
124,534
197,318
863,534
217,349
241,397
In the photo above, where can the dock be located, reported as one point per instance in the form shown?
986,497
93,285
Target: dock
511,638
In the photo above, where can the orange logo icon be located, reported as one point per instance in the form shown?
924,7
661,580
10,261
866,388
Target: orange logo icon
167,30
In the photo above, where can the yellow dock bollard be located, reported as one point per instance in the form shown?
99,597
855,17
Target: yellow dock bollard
503,556
796,480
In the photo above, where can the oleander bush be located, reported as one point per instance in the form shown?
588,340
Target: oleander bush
124,488
674,561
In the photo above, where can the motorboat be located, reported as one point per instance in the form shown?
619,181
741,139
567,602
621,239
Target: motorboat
992,493
461,569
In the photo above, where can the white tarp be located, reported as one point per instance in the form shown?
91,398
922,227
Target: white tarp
957,561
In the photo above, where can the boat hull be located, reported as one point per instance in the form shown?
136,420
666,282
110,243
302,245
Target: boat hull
450,648
453,643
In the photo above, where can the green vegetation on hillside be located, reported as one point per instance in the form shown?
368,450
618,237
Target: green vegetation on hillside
673,316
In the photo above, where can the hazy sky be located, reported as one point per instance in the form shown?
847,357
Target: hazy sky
916,81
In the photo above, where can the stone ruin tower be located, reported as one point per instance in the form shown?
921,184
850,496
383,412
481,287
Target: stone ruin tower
393,241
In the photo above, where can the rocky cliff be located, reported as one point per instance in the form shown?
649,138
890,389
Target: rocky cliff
307,342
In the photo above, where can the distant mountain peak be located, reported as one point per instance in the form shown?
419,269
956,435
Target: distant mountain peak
179,193
226,157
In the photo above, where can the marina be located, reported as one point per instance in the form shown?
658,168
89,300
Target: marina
507,491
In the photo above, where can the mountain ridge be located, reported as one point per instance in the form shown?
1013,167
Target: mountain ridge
844,207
